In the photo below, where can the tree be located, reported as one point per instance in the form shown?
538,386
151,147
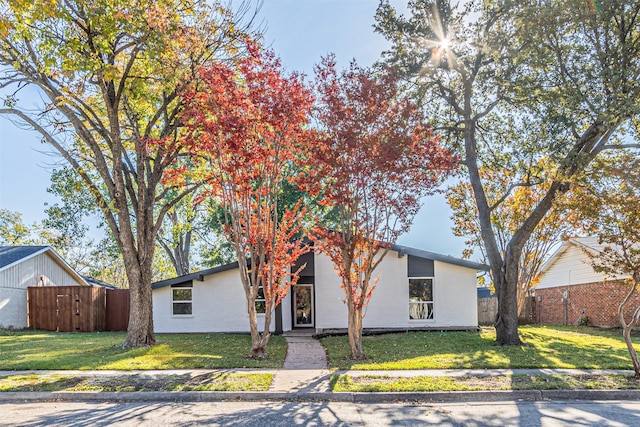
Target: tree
12,229
64,228
511,83
505,221
109,73
606,205
250,123
177,234
376,159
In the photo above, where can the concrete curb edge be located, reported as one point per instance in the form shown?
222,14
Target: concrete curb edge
213,396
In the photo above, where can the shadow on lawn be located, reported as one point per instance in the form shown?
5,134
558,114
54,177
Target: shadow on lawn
64,351
543,348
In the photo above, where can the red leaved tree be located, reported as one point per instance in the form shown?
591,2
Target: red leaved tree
249,122
376,160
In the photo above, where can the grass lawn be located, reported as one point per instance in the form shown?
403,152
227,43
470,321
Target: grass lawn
139,382
545,347
26,350
470,383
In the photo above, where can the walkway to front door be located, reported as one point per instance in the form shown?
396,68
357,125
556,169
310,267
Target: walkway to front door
305,367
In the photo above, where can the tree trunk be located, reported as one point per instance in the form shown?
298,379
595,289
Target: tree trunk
258,341
626,333
355,333
506,284
140,331
628,327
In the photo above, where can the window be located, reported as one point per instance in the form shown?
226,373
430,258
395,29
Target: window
261,301
181,299
421,299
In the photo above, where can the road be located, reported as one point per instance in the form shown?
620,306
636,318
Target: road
560,413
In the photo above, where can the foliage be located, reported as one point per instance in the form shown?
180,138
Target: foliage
506,218
108,73
546,347
13,231
606,205
509,84
39,350
376,158
250,123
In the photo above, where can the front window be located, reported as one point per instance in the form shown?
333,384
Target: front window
182,300
421,299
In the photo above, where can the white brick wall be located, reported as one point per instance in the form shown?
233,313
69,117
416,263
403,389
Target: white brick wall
219,305
219,302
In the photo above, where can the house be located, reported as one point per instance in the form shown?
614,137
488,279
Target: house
417,290
570,292
24,266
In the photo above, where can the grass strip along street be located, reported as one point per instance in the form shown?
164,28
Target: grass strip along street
137,382
381,383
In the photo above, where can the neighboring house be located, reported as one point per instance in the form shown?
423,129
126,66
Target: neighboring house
23,266
417,290
570,292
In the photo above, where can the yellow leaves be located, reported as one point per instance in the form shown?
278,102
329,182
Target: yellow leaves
6,26
29,11
110,72
158,17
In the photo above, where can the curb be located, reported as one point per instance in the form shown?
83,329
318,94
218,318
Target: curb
215,396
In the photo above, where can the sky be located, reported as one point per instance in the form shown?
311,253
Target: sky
300,32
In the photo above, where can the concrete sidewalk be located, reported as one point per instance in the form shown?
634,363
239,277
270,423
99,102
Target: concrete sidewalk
305,367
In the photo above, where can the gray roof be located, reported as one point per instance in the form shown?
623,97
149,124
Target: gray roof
199,276
402,250
419,253
12,254
95,282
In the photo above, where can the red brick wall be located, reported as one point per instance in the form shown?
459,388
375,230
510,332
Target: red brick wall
599,301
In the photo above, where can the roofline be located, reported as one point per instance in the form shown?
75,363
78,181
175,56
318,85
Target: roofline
31,255
402,250
562,249
199,276
56,257
438,257
577,242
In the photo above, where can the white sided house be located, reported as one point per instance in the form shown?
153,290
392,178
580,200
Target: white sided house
417,290
24,266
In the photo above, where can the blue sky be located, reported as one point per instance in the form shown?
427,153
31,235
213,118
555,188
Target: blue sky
300,31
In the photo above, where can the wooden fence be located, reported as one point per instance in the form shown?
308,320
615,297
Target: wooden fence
117,310
76,309
487,311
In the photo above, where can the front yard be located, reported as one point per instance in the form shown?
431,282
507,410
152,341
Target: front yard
545,347
37,350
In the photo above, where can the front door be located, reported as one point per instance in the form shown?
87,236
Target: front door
303,306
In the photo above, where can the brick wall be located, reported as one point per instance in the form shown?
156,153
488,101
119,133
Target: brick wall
599,301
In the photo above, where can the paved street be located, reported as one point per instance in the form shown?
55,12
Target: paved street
557,413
